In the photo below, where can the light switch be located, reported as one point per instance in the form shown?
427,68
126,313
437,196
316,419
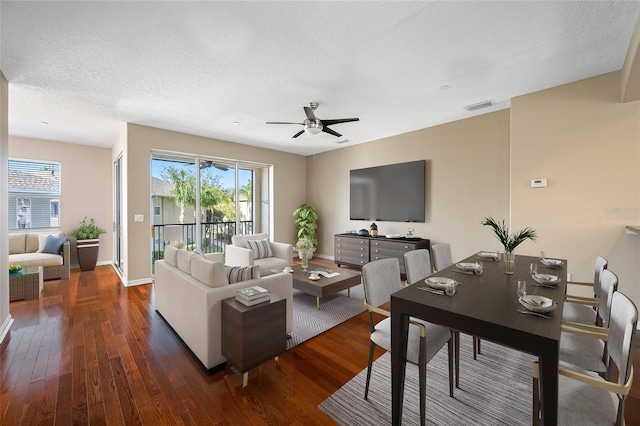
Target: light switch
138,218
538,183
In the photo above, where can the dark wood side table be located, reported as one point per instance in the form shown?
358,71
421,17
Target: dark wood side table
251,335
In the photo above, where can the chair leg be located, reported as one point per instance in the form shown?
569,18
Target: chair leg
422,373
536,400
456,336
451,350
479,350
366,387
475,348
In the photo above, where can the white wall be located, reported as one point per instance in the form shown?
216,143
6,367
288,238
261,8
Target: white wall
5,316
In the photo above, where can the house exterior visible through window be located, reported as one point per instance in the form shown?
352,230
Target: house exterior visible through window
34,194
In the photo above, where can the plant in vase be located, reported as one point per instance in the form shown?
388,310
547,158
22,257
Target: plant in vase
88,243
304,247
509,241
306,223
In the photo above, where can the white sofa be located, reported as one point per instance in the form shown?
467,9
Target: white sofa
188,294
25,249
237,254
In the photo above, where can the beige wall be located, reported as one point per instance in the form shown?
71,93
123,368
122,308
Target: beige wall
587,144
5,317
467,178
86,184
289,185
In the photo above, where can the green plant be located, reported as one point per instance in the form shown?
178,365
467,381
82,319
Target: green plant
87,230
306,221
305,244
509,241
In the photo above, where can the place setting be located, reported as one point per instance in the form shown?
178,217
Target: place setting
470,268
534,304
542,280
550,263
440,286
491,256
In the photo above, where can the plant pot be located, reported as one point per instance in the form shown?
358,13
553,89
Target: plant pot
509,263
88,253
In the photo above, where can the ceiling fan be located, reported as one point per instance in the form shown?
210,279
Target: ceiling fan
313,125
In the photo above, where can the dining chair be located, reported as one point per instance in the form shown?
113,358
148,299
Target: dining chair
441,253
584,398
577,347
380,279
578,315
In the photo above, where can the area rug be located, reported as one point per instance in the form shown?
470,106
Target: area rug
308,321
494,390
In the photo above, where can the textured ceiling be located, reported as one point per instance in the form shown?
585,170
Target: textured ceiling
87,68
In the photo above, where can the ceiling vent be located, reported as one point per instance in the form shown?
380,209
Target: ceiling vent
344,141
480,105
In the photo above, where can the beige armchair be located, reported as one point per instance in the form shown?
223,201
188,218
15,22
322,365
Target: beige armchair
256,249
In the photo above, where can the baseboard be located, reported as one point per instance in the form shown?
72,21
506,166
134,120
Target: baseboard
100,263
4,330
208,371
134,283
323,256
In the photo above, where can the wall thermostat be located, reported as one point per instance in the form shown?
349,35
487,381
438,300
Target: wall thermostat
538,183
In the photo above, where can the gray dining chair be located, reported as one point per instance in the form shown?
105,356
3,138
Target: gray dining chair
582,309
585,398
577,347
441,253
380,279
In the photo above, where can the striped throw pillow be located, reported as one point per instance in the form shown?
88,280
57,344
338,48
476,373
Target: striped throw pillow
235,274
260,248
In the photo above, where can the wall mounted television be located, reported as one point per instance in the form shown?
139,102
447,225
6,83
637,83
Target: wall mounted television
392,193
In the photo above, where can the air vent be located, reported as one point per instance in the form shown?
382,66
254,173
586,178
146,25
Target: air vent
480,105
344,141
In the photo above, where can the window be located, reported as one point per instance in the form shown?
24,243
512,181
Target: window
156,210
34,194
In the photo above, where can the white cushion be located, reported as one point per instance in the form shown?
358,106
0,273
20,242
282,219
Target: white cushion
260,248
32,243
184,261
170,255
35,259
236,274
16,243
208,272
239,240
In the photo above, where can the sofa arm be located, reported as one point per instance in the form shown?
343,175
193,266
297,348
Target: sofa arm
283,251
238,256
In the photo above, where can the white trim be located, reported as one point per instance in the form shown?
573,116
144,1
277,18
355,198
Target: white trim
4,330
137,282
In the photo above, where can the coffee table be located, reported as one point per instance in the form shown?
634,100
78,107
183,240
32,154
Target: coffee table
324,286
25,284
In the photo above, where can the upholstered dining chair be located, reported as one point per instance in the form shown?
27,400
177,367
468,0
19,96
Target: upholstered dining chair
577,345
584,398
581,309
380,279
441,253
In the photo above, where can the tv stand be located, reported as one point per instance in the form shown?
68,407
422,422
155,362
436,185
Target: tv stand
356,250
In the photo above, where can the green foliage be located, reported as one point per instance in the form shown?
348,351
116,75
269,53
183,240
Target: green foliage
87,230
509,241
306,222
305,244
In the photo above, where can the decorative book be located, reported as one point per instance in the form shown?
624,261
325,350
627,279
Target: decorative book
251,293
251,302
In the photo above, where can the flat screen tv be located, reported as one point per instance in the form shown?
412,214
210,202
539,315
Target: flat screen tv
393,193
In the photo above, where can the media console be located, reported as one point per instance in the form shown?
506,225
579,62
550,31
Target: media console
356,250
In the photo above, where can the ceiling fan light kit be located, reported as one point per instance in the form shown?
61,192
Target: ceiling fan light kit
313,125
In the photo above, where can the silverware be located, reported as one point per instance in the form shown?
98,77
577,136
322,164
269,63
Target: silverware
533,313
544,285
432,290
465,272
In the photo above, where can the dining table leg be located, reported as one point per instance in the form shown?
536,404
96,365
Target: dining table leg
399,338
549,385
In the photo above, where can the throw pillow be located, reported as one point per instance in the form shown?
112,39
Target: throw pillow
53,244
199,253
260,248
208,272
235,274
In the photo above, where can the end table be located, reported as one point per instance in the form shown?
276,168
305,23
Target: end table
251,335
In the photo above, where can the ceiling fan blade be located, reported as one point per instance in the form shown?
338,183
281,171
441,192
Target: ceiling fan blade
331,132
338,121
298,134
310,114
283,122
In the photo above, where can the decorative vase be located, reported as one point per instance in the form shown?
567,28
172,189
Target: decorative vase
304,257
88,253
509,263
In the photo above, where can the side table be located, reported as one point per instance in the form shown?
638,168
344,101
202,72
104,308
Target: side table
251,335
25,284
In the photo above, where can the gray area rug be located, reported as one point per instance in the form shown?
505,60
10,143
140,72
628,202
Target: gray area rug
494,390
335,309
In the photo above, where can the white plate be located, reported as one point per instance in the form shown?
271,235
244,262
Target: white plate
488,255
466,266
314,279
438,282
546,279
537,303
552,262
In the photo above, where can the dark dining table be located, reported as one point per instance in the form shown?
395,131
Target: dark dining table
485,306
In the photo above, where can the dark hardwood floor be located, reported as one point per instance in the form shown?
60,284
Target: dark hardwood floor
91,351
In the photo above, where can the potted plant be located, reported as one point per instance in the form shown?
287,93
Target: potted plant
509,241
87,243
306,222
304,247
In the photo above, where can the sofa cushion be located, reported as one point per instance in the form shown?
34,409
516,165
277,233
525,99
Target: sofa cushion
208,272
54,244
32,242
170,255
184,260
27,260
260,248
236,274
16,243
239,240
